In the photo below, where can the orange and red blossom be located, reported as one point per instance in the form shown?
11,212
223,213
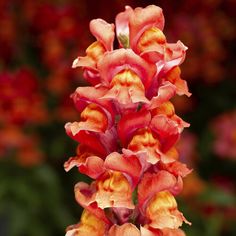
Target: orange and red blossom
89,225
104,33
162,211
155,134
128,127
93,130
112,189
132,23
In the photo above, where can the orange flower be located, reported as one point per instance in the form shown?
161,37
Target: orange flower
156,182
143,140
151,39
112,189
163,213
92,119
89,225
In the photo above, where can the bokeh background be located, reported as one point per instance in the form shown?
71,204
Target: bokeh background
39,41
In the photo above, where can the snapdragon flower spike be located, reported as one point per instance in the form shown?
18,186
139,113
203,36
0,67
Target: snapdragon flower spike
128,129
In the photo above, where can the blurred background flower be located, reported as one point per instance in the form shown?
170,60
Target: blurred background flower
38,42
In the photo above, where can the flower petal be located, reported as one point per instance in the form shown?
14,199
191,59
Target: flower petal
93,53
126,229
167,108
92,166
156,182
166,130
174,56
151,45
85,195
173,232
163,213
149,231
113,190
89,62
127,164
87,138
121,59
86,95
92,119
164,93
104,32
89,225
173,76
130,122
127,90
122,26
176,168
143,19
144,142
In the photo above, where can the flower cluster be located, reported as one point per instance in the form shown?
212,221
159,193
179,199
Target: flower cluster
128,129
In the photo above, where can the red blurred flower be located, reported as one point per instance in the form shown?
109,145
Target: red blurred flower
224,129
21,101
